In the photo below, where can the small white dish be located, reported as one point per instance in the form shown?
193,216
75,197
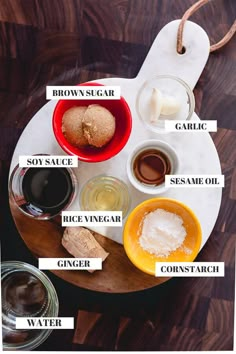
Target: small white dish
160,147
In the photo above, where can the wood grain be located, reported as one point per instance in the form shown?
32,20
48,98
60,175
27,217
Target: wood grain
70,41
118,275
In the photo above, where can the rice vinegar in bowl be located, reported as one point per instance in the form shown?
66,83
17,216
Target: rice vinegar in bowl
106,198
105,193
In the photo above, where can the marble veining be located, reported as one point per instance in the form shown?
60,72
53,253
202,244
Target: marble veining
197,152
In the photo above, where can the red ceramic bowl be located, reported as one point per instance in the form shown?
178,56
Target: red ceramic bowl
119,108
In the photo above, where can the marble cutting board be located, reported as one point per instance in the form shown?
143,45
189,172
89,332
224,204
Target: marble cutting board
196,151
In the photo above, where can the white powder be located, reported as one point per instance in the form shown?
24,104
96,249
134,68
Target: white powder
162,233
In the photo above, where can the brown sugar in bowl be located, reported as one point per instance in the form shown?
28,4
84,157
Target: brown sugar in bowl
123,125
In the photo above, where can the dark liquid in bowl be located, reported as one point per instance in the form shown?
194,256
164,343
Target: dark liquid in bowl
49,189
150,167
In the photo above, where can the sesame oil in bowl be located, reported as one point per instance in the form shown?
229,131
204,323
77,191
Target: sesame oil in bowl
150,166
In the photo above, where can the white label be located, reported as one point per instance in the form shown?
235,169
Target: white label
193,126
44,322
70,263
194,181
48,161
92,218
190,269
83,92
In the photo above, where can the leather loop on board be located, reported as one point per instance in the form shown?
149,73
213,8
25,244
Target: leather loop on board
187,14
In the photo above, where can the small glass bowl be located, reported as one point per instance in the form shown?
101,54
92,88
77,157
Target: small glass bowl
105,193
27,207
26,292
170,86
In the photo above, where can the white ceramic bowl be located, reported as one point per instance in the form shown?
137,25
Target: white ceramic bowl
158,145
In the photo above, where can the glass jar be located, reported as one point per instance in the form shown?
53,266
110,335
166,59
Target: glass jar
26,292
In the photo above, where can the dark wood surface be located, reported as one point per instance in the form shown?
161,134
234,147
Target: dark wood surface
70,41
118,275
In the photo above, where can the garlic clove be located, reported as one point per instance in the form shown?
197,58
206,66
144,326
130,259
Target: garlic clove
156,104
170,106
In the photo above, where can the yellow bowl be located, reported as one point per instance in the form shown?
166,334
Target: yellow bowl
144,260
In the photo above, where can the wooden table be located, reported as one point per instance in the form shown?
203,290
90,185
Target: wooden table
118,275
66,42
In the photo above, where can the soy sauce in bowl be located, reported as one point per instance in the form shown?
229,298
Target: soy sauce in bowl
42,192
48,189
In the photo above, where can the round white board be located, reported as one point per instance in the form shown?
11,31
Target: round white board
196,151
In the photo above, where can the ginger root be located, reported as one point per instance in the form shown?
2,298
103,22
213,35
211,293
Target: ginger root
80,243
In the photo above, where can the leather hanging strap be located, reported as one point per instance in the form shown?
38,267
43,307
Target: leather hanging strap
187,14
